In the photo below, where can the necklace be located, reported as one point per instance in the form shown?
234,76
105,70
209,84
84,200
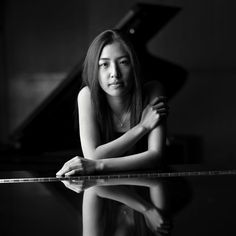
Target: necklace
123,118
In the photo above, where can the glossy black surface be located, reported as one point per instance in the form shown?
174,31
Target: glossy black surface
199,205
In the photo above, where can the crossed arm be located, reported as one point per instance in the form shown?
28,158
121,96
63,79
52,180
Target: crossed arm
110,156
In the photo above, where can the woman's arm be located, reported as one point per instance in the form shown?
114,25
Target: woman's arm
149,159
90,140
89,133
95,161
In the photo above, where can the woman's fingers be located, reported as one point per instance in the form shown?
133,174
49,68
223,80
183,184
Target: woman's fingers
159,103
165,227
76,187
158,100
78,165
159,106
73,160
156,222
63,170
161,110
73,172
72,166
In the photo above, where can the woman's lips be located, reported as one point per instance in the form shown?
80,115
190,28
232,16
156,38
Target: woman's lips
116,85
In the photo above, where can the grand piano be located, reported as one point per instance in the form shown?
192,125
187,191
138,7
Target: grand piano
34,202
50,131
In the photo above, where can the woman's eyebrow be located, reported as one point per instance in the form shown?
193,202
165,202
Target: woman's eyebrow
120,57
104,58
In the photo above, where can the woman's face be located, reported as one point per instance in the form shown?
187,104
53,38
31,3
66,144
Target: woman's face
115,70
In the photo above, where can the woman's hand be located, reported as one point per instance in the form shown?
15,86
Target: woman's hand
156,222
153,113
78,165
79,186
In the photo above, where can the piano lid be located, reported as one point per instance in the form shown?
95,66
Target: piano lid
51,127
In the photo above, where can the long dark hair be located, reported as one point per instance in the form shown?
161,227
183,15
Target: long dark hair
90,79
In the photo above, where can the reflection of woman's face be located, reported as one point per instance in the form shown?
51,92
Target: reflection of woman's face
115,70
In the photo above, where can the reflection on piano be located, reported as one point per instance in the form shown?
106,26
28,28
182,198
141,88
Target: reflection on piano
200,202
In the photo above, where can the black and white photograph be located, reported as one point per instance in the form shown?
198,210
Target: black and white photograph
117,117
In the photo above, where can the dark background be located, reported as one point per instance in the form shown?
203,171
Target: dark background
42,41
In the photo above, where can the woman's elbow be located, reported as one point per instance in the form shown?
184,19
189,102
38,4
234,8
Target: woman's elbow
156,158
90,154
94,153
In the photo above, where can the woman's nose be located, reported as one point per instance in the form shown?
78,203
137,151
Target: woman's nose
115,72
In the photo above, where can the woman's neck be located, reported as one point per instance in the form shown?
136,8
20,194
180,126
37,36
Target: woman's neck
119,105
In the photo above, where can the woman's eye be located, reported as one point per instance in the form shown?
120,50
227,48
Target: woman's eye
104,64
124,62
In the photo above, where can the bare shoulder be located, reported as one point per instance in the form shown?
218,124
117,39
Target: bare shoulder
84,103
84,95
153,89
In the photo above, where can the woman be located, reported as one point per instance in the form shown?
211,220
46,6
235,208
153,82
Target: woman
117,116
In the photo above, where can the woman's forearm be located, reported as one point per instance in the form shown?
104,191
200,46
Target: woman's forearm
134,181
120,145
145,160
125,195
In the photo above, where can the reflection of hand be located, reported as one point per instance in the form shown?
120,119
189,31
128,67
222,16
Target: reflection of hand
79,185
156,222
78,165
153,113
